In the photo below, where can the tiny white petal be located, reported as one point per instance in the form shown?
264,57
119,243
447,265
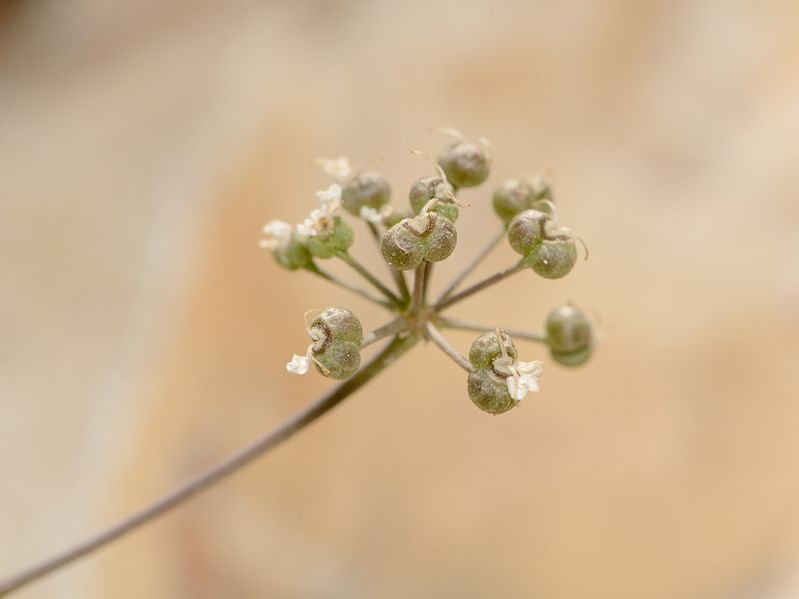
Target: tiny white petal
278,233
375,216
306,230
330,197
277,228
299,364
338,168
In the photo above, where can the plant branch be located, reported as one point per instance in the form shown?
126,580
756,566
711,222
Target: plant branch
492,280
361,270
472,265
313,268
236,462
397,275
463,325
419,280
428,273
394,327
436,337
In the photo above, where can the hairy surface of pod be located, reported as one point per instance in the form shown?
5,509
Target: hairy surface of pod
327,244
553,258
466,164
340,324
425,189
516,195
485,349
526,230
337,349
428,236
366,188
489,391
569,335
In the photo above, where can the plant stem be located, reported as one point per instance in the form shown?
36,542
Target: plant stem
419,280
436,337
394,327
456,323
493,279
397,275
391,352
313,268
472,265
428,273
361,270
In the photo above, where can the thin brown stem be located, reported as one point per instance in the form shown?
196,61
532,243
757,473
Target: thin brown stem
392,351
361,270
397,275
472,265
313,268
436,337
463,325
492,280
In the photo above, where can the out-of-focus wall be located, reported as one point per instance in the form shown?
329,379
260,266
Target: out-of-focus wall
143,334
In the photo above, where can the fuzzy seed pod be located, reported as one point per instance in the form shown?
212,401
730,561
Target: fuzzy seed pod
553,258
339,360
327,243
338,336
485,350
466,164
340,324
526,230
516,195
428,236
489,391
401,246
569,335
425,189
366,188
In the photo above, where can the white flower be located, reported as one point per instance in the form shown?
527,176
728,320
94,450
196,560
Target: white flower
338,168
299,364
375,216
330,198
277,232
524,378
321,219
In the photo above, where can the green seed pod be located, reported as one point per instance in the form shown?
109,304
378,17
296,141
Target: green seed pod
568,329
441,238
339,359
572,359
366,188
425,189
512,197
553,258
485,350
466,164
428,236
569,335
489,392
526,230
339,324
326,244
402,246
292,255
337,335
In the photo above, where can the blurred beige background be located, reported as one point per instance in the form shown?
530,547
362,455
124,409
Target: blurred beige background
143,334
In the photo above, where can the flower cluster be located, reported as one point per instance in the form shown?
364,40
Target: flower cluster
414,239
